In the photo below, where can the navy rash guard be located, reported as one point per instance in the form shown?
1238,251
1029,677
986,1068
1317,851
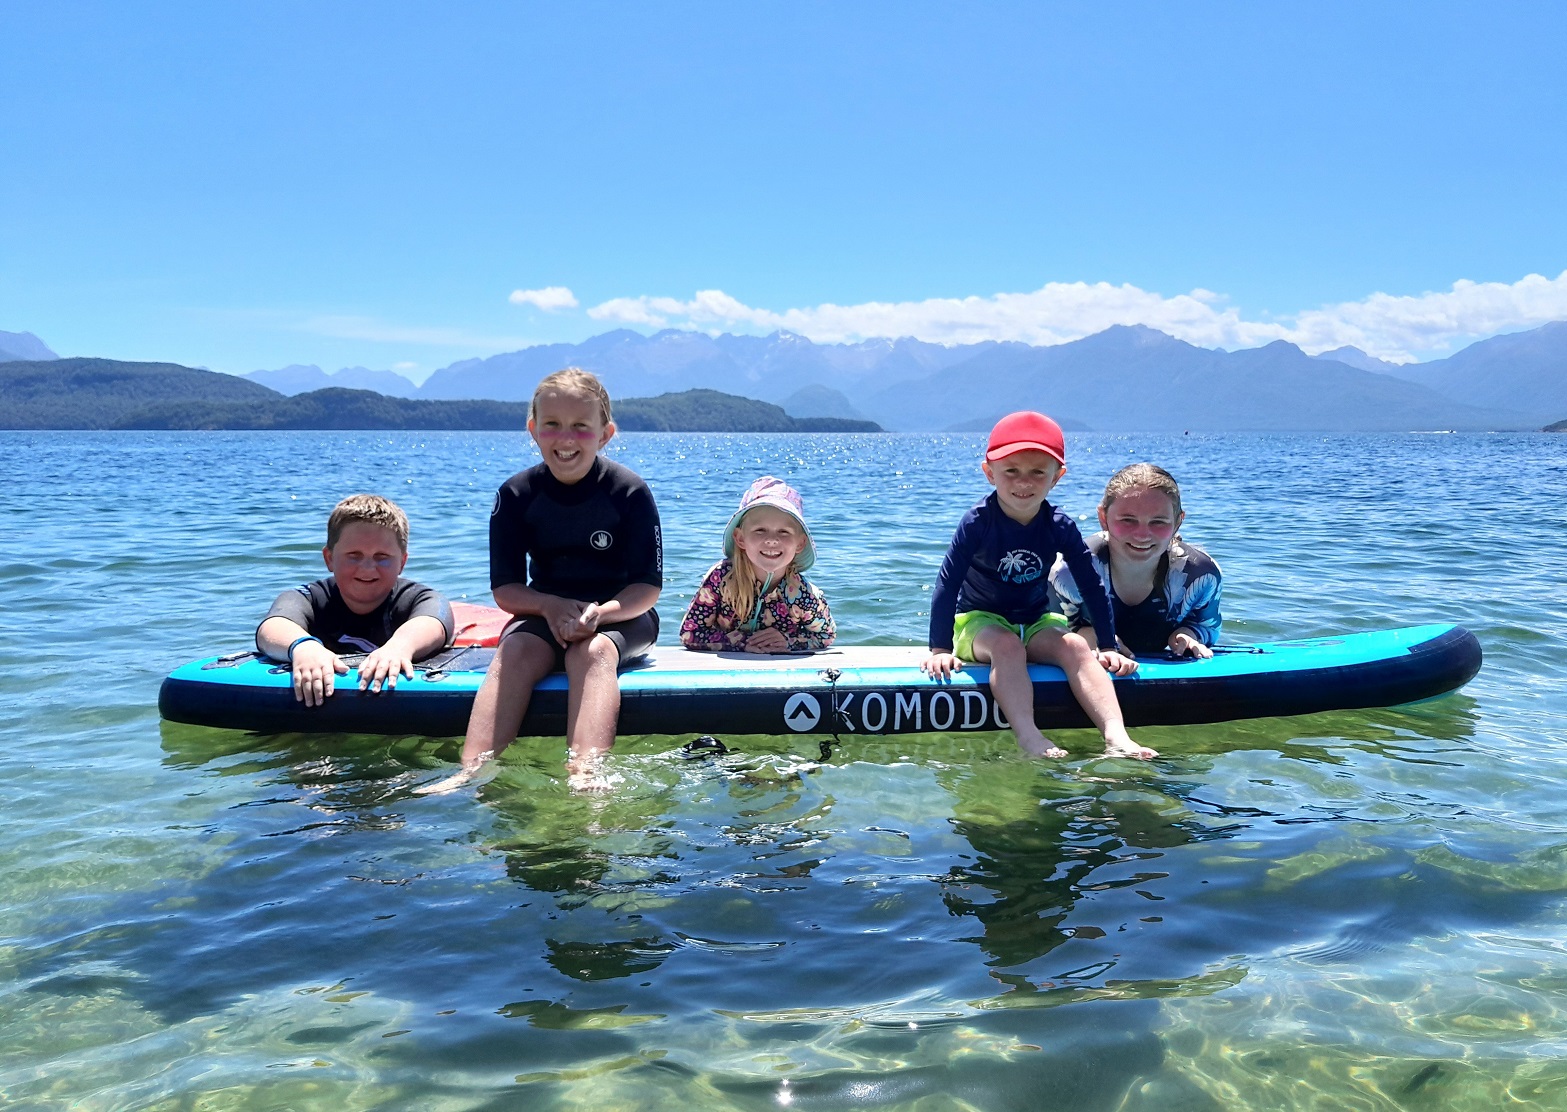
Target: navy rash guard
998,565
587,540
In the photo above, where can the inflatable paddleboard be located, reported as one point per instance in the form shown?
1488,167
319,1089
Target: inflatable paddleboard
845,691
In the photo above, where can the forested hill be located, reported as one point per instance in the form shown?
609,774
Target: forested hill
337,408
108,394
104,393
714,411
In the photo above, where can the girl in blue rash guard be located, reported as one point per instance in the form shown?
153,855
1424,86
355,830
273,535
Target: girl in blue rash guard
1165,593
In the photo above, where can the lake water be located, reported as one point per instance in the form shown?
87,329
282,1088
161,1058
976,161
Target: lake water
1362,910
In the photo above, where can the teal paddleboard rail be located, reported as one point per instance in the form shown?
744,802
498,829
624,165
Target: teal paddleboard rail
875,690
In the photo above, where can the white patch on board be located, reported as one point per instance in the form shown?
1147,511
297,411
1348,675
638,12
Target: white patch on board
802,712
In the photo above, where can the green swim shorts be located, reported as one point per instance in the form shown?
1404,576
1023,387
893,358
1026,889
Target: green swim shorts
969,623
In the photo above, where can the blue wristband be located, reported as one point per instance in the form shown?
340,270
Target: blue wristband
300,641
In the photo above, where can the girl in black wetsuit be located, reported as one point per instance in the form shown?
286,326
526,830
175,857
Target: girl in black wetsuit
576,555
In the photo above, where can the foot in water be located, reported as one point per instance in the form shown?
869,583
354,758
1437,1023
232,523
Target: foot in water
1040,746
586,773
457,779
1126,747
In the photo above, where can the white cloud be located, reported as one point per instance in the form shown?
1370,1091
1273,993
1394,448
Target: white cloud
1396,327
1399,328
552,299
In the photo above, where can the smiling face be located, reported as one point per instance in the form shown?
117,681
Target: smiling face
1141,523
1022,480
366,562
770,539
569,430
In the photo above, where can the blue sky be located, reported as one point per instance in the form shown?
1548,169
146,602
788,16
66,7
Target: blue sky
246,186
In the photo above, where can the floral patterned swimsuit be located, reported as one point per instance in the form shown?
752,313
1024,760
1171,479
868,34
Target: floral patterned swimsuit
793,606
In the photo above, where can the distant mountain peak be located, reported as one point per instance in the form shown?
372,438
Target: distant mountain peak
302,378
1352,356
1133,335
23,347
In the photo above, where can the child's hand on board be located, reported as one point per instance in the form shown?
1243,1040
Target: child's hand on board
941,665
315,668
379,671
768,640
1117,664
1184,644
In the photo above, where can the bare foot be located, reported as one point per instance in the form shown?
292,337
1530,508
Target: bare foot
586,773
591,781
1040,746
457,779
1126,747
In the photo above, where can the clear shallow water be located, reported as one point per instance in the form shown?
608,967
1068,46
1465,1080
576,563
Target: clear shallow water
1363,910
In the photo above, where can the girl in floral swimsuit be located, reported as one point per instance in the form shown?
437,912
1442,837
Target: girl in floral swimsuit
756,599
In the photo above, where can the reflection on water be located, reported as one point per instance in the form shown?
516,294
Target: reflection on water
1359,910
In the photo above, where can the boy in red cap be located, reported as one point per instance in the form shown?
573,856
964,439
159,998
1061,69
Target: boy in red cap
990,601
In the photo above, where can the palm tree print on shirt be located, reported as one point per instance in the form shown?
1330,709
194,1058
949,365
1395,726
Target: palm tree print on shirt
1020,566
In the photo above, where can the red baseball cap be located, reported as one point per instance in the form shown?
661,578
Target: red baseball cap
1019,432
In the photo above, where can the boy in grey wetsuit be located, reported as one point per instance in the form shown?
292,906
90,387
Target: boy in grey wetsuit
365,607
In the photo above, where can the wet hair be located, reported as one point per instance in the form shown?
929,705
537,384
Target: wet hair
371,509
1145,476
741,588
575,382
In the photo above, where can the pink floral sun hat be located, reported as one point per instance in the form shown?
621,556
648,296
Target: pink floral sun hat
774,492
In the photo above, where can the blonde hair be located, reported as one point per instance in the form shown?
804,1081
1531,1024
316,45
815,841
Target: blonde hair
371,509
741,588
1145,476
575,382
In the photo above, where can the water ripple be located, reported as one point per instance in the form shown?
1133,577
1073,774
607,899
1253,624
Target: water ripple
1339,910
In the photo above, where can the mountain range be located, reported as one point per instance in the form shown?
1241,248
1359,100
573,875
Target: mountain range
1522,371
304,378
1126,378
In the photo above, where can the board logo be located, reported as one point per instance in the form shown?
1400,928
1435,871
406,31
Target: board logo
802,712
897,712
601,540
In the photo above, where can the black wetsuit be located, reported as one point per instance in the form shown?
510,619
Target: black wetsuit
318,608
587,540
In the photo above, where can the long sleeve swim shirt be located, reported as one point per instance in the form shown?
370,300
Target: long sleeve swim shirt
999,565
1187,592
